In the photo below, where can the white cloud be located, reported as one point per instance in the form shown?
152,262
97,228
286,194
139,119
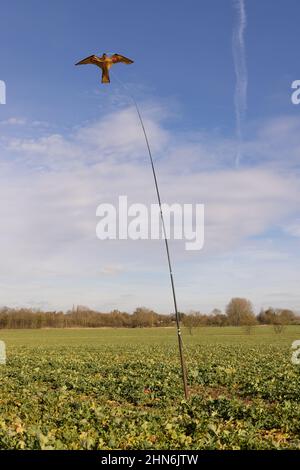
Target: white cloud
277,143
13,121
50,187
112,269
293,228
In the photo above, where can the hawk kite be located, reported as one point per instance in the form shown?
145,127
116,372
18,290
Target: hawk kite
105,63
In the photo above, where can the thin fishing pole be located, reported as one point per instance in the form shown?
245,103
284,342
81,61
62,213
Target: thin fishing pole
180,343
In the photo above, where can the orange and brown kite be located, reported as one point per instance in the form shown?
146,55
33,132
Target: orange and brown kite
105,63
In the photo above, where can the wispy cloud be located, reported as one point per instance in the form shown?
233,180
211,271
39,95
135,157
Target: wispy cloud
240,96
13,121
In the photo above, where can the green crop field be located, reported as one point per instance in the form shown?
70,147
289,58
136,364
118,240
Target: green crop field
121,389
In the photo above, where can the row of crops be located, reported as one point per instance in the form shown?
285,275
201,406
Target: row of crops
110,397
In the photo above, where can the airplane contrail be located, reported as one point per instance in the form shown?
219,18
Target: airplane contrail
239,56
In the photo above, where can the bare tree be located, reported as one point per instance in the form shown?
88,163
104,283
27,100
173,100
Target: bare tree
239,312
191,320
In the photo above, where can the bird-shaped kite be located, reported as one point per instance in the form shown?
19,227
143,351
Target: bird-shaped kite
105,63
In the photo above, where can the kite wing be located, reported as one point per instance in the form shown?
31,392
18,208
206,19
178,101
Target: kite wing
120,58
92,59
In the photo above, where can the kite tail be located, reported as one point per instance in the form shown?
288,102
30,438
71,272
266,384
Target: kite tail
180,343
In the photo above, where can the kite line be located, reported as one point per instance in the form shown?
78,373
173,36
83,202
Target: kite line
180,342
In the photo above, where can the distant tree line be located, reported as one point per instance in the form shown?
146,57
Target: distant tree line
239,312
81,317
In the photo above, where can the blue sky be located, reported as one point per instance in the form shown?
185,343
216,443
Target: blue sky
67,143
